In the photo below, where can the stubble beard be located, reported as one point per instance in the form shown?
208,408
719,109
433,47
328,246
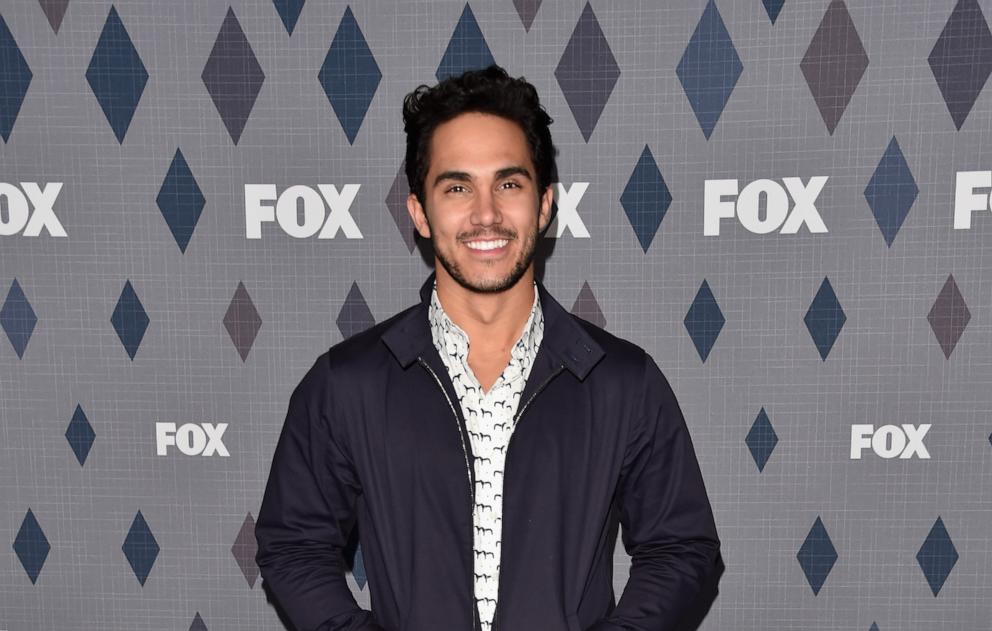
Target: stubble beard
490,286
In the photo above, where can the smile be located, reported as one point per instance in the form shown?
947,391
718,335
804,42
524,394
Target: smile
487,245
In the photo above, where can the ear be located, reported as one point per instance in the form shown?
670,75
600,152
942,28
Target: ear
544,217
418,215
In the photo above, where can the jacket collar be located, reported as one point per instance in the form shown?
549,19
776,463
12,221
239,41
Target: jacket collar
564,339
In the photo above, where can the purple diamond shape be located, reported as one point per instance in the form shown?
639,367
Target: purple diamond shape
197,624
527,10
961,59
587,72
242,321
54,12
587,308
949,316
244,550
834,63
355,315
233,76
396,205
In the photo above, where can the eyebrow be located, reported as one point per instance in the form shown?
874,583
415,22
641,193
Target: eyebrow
462,176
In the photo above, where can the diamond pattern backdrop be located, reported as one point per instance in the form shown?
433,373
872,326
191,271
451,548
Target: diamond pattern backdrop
187,150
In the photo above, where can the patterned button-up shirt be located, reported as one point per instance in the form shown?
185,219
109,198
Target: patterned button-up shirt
489,420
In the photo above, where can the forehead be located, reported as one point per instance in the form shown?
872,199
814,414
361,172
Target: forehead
478,142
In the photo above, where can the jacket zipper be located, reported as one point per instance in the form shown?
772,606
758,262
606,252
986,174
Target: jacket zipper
516,419
471,484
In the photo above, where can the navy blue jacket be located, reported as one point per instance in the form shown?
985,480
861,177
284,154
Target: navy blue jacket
374,433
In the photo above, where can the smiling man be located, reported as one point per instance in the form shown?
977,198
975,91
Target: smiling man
487,443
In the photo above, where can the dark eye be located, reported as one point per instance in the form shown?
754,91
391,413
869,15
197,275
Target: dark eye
456,186
511,184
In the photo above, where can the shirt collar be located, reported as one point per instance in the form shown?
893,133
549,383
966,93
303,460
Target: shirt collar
448,336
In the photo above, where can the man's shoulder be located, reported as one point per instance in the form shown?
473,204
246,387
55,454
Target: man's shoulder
354,357
621,357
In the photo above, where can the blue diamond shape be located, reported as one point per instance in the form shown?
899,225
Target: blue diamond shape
817,556
773,8
349,75
825,318
587,72
80,435
646,199
17,318
891,191
961,59
704,321
467,49
937,556
180,201
761,440
31,546
140,548
15,77
709,68
116,75
129,319
289,12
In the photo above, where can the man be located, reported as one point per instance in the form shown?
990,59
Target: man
487,442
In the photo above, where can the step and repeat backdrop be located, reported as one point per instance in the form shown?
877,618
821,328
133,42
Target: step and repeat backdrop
786,202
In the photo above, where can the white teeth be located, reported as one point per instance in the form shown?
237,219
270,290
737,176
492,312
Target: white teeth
487,245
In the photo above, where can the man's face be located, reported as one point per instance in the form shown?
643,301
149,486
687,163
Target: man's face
482,209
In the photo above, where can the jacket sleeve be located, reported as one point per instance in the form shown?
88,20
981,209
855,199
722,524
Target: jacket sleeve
668,528
306,516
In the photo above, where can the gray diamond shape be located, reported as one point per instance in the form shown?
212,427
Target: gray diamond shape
233,76
587,308
244,550
242,321
834,63
396,204
355,315
587,72
949,316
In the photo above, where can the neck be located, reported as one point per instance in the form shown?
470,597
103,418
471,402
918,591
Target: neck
491,320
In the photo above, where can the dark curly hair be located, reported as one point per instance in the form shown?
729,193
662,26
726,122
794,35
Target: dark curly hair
490,91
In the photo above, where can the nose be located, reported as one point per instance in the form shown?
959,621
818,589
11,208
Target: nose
485,212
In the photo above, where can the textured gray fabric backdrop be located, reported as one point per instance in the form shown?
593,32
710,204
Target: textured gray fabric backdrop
65,563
